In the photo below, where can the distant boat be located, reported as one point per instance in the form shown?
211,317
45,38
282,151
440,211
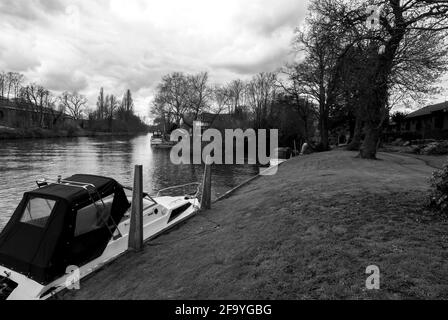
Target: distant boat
159,141
156,138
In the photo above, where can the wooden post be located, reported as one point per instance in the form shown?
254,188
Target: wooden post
135,240
206,201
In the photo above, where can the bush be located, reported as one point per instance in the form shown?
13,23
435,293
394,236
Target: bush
439,192
435,148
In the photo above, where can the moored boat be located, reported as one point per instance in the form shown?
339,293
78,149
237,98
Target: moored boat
156,138
76,225
160,141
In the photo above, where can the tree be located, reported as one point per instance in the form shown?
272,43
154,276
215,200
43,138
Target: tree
2,84
222,97
112,105
298,97
236,90
39,98
324,45
75,103
10,84
409,36
126,109
172,98
101,105
261,92
199,93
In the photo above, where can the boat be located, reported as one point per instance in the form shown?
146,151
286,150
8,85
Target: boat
156,138
74,227
160,141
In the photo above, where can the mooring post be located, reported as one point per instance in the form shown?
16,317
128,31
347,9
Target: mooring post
135,241
206,200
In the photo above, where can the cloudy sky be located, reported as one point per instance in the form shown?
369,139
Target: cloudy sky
118,44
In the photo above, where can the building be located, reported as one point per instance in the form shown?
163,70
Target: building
430,122
22,115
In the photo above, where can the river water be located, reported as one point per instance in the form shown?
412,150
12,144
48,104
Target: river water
22,162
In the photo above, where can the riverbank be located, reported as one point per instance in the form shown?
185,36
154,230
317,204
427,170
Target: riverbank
7,133
308,232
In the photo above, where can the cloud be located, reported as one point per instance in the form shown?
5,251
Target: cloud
65,80
119,45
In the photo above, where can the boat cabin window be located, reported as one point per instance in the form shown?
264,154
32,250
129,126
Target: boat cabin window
94,216
37,211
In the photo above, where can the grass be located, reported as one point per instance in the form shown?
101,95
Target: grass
308,232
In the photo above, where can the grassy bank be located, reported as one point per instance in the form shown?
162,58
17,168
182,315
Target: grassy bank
7,133
308,232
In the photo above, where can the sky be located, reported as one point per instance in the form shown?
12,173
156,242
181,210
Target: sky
130,44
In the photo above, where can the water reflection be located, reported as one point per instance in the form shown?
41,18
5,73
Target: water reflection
23,162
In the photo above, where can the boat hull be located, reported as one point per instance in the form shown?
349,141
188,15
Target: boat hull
157,218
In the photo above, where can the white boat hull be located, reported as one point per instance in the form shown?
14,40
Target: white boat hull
157,218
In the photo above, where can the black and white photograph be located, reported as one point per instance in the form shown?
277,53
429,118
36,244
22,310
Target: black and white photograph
222,156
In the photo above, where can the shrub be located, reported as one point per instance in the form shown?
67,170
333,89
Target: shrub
435,148
439,192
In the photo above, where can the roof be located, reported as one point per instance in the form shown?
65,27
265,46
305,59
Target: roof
16,105
428,110
73,194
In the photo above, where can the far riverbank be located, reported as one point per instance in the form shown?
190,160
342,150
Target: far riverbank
7,133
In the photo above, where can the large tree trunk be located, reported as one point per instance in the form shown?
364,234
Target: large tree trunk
355,143
369,146
324,134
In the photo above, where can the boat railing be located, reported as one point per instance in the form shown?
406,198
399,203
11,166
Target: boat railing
184,188
145,194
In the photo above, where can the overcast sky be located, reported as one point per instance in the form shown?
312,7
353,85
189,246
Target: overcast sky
118,44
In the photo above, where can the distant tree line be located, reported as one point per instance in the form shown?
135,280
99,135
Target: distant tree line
268,100
113,114
110,114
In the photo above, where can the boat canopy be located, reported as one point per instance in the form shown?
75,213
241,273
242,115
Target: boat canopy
62,224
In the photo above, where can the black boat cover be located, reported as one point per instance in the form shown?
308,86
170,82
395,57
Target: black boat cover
59,225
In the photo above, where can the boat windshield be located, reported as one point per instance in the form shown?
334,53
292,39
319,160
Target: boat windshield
37,211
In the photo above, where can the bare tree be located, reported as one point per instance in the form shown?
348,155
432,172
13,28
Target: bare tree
39,98
2,84
74,103
261,92
236,90
397,42
222,98
199,93
172,97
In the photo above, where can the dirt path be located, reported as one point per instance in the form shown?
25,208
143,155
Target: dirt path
308,232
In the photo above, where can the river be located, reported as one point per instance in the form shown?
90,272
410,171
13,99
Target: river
22,162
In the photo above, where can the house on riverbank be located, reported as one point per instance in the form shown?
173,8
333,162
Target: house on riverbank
430,122
18,114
